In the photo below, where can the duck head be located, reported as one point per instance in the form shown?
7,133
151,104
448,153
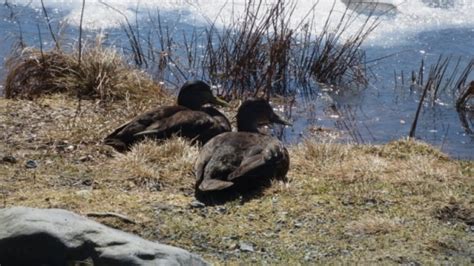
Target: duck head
196,93
255,112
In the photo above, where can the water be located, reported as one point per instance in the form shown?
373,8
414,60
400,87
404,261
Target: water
416,29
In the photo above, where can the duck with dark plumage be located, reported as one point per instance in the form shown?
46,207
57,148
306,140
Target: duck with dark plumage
189,119
245,160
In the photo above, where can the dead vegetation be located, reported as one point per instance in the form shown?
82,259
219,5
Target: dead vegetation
466,93
446,80
372,225
364,203
259,52
101,74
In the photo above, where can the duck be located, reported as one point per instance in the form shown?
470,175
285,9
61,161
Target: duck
189,118
246,159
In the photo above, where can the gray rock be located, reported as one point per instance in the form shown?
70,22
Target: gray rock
9,159
31,236
197,204
30,164
246,247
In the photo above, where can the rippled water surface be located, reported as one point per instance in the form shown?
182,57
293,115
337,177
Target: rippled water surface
415,30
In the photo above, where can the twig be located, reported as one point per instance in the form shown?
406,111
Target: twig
111,214
80,32
465,95
465,122
49,25
40,43
420,104
131,35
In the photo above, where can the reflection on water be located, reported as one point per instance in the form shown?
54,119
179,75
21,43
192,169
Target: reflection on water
379,113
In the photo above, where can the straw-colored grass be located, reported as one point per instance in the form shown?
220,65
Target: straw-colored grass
101,73
403,202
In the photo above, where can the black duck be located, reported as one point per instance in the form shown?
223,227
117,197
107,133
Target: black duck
245,159
189,119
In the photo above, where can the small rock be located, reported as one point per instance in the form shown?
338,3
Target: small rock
246,247
9,159
70,148
298,225
221,209
197,204
30,164
86,158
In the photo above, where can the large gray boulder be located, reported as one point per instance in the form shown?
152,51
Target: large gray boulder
31,236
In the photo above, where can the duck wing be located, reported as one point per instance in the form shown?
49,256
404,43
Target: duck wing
123,136
189,124
240,158
207,158
261,160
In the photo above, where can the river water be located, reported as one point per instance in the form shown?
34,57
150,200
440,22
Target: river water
384,111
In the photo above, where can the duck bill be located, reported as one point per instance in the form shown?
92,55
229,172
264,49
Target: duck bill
279,120
218,101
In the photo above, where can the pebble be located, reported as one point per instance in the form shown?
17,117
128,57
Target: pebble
246,247
30,164
197,204
221,209
298,225
86,158
70,148
9,159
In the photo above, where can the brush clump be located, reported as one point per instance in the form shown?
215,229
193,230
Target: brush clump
101,73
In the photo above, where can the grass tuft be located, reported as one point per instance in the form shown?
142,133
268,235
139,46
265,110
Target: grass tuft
101,74
407,147
153,166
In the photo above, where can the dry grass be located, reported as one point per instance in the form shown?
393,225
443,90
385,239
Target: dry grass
143,165
259,52
101,74
404,202
371,225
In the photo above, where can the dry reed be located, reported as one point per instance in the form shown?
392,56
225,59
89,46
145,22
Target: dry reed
102,74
